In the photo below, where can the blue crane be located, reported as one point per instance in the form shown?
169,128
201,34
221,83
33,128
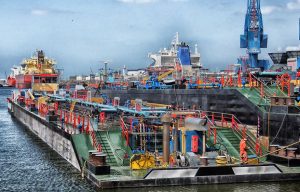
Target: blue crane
254,38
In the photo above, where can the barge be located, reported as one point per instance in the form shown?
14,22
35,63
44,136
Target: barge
135,143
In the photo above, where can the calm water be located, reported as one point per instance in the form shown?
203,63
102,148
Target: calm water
27,164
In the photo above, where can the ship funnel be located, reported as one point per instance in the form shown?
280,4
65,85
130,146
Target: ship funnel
41,57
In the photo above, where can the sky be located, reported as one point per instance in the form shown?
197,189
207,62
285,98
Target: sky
81,34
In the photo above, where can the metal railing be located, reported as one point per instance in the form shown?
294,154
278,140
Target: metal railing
231,121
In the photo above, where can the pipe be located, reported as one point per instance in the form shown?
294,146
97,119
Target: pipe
204,144
175,137
183,112
155,108
166,120
183,142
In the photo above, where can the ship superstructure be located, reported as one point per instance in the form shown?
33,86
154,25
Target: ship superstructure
38,64
176,62
11,79
39,70
169,57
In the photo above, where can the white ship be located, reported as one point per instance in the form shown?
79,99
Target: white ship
168,57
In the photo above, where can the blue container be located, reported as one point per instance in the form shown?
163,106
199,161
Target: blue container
23,93
188,139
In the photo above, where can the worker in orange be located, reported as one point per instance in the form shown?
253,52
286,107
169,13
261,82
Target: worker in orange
243,151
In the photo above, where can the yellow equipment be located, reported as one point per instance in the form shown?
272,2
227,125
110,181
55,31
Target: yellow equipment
146,78
48,87
132,103
41,100
221,160
30,95
142,161
97,100
253,161
160,77
166,74
72,106
295,82
224,160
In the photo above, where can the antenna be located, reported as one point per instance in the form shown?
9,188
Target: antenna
177,38
106,62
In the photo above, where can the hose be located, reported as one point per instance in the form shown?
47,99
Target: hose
82,170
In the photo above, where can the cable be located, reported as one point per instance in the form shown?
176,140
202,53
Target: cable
279,129
83,167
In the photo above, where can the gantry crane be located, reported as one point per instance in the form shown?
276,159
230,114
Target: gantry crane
254,38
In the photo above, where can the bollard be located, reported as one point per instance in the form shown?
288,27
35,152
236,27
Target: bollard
282,151
273,148
291,152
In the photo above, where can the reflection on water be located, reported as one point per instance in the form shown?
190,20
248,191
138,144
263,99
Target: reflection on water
28,164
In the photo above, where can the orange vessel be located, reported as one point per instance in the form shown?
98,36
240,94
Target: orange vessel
11,81
36,69
23,81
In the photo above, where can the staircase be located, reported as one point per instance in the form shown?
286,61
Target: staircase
106,148
233,146
229,132
260,93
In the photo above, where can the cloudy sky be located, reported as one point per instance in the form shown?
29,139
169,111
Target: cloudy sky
81,33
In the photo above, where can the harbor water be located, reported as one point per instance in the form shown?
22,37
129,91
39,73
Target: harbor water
28,164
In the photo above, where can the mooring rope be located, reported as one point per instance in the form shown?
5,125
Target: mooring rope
279,128
275,151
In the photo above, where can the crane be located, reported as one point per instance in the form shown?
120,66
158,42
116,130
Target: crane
254,38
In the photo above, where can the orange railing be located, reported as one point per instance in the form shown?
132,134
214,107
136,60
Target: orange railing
230,121
125,130
71,118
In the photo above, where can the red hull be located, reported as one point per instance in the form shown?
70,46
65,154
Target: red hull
23,81
11,82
